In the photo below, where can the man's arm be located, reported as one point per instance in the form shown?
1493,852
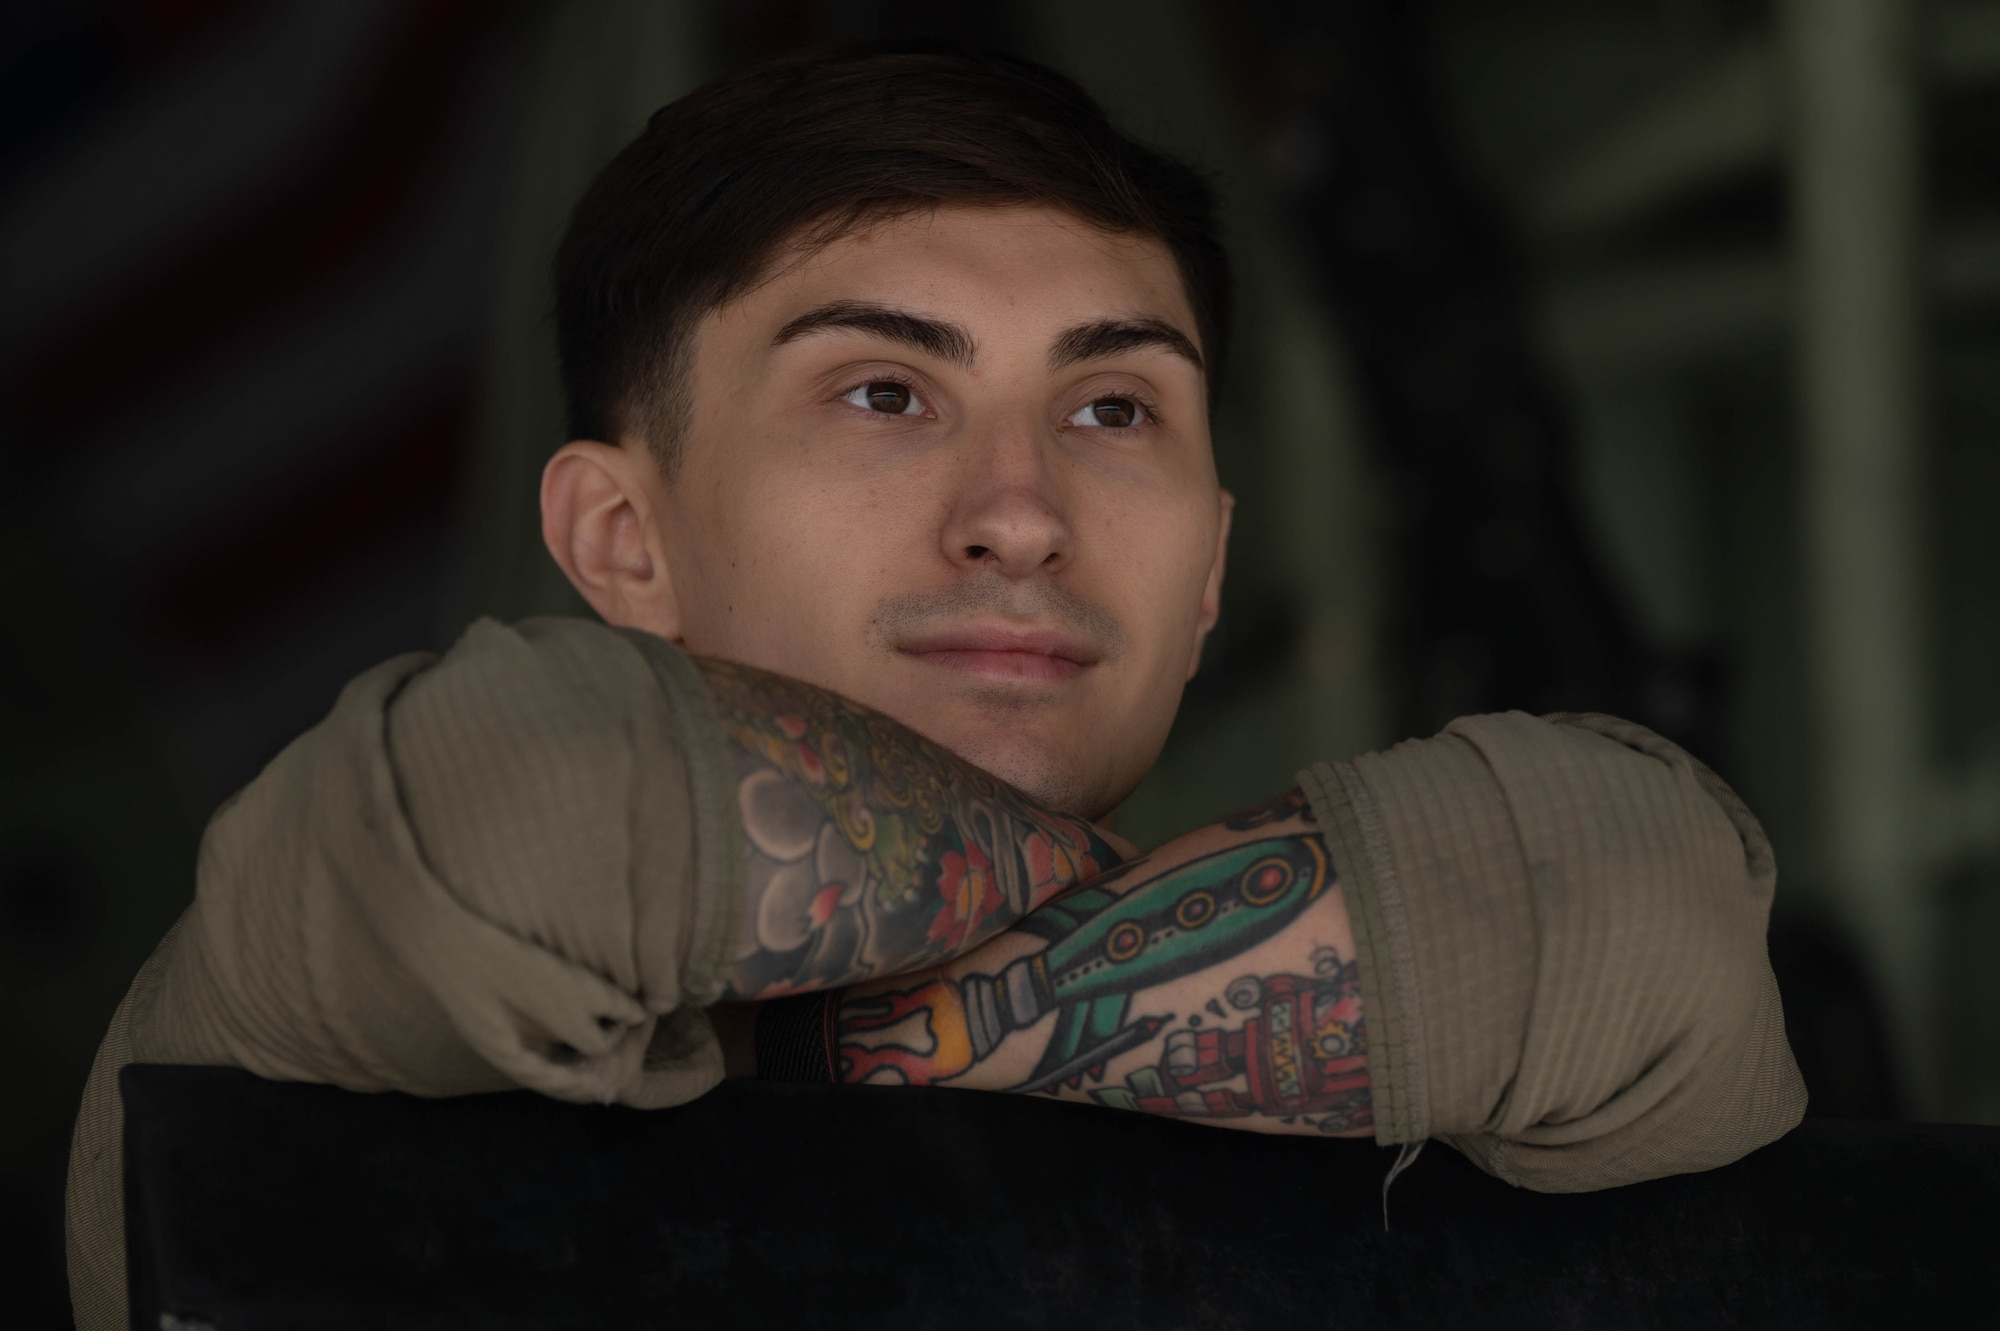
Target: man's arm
1557,927
869,850
1213,979
520,865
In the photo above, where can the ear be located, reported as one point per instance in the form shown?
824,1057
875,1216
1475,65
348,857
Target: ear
598,522
1211,592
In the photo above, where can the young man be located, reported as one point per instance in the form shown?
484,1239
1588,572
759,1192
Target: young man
892,482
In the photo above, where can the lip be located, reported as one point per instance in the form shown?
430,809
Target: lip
1013,654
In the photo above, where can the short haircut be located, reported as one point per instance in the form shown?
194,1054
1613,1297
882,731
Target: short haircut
805,148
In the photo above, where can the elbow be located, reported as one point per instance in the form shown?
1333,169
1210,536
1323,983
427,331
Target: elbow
1656,1042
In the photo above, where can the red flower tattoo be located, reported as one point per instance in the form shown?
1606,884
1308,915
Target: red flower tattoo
1057,858
966,883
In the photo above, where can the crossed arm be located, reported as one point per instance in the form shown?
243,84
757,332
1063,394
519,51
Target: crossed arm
1212,979
1607,1019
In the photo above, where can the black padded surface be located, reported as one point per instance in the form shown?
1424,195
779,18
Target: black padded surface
258,1204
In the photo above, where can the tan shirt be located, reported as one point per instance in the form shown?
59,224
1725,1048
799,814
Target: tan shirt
514,866
1560,933
519,865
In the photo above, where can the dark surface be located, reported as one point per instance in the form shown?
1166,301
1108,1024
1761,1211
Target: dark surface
255,1204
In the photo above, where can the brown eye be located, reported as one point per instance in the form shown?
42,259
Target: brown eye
889,397
1115,413
885,397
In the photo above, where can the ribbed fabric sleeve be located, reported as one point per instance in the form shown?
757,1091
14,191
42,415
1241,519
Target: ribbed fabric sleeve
1559,925
517,865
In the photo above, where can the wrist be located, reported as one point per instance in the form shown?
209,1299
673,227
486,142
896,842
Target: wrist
736,1031
794,1039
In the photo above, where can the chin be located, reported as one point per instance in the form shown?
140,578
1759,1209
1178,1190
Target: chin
1051,780
1053,755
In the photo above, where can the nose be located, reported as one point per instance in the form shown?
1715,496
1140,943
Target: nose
1010,514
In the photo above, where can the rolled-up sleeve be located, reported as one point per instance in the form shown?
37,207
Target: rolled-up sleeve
515,865
1560,928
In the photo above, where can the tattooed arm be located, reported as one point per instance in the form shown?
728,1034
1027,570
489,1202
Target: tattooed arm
870,850
1212,979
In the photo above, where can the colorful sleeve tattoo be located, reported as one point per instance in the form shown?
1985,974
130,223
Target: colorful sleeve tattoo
1216,981
872,851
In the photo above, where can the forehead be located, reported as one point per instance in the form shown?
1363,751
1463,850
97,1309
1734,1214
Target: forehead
1025,270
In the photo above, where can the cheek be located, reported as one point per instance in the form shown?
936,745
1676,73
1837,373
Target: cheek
1158,549
790,569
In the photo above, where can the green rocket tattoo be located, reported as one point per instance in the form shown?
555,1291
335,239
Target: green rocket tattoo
1297,1053
1104,949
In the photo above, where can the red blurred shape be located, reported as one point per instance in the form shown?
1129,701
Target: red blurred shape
271,253
159,30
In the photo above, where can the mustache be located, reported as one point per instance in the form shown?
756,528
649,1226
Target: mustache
910,614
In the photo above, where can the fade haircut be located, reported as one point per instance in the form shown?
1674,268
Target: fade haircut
800,151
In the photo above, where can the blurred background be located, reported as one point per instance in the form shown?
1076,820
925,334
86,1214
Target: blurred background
1638,356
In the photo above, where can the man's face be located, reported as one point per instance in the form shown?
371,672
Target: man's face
956,466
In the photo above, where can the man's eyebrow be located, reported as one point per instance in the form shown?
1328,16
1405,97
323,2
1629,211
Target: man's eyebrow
1108,337
933,337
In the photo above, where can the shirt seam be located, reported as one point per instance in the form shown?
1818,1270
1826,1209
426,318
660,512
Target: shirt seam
1397,1055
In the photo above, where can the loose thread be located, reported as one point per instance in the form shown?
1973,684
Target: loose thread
1405,1157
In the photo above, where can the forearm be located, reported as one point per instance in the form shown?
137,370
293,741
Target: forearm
870,851
1561,927
1212,979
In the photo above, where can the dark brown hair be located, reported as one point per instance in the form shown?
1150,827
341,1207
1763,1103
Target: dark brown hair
804,148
